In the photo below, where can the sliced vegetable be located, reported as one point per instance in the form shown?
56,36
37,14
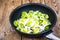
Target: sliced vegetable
47,28
32,22
40,21
24,15
16,23
36,31
46,16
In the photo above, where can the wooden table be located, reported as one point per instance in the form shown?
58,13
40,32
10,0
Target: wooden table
6,6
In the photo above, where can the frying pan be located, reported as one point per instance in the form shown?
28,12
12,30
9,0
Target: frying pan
16,14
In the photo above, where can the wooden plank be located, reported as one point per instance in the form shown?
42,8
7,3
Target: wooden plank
42,1
56,29
26,38
58,7
54,5
10,34
2,7
34,1
2,14
25,1
41,38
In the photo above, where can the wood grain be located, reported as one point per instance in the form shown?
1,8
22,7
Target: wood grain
2,7
8,33
56,29
33,1
6,7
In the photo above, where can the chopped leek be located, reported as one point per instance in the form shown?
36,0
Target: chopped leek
32,22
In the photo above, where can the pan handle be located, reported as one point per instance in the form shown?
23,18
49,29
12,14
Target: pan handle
51,36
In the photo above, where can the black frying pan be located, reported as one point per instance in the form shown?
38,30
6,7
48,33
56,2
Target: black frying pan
16,14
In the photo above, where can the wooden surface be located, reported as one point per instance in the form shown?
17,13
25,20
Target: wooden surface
6,6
